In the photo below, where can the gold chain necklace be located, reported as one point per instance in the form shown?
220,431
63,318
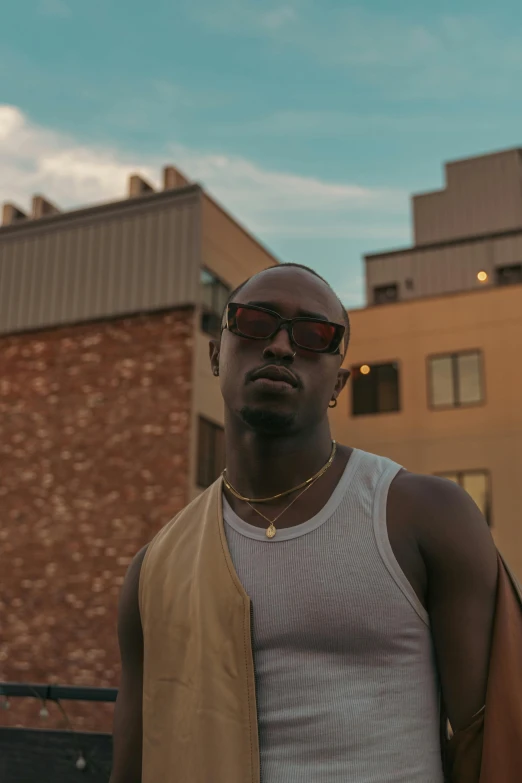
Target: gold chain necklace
313,478
271,529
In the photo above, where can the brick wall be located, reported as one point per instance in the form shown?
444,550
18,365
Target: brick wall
94,449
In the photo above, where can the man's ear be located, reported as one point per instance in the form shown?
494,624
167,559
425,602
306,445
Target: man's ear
342,377
213,351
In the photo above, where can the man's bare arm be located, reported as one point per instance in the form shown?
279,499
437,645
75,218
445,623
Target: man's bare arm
461,563
127,733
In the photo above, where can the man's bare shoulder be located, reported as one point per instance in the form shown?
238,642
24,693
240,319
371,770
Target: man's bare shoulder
440,515
419,488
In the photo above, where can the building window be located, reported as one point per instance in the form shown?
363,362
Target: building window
211,452
375,389
477,485
455,379
383,294
509,275
214,295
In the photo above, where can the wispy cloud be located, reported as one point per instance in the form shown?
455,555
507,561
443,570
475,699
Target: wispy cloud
155,104
443,56
272,203
335,124
341,35
54,8
278,17
243,16
33,158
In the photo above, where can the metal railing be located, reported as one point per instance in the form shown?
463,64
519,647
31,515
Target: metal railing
29,755
57,693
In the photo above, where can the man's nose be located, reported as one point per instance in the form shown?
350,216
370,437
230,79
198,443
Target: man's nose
280,347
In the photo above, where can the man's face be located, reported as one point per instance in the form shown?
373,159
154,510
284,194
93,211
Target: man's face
273,405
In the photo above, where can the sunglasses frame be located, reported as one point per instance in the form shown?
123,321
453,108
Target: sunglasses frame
284,323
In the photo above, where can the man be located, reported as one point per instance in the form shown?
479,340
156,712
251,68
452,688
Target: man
296,622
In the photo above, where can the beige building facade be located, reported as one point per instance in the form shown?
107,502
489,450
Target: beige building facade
437,362
466,236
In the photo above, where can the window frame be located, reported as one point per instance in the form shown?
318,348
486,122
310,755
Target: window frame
394,285
454,356
204,309
473,472
379,363
215,427
517,265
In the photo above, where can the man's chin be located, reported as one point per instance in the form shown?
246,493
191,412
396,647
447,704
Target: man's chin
268,421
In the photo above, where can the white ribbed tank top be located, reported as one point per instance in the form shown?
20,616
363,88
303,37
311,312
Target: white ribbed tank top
347,688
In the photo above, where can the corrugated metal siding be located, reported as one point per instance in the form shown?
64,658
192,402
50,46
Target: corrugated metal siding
442,270
129,259
483,196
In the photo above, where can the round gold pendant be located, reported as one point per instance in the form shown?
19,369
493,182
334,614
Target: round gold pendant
271,531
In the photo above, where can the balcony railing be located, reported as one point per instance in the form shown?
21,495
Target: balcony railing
29,755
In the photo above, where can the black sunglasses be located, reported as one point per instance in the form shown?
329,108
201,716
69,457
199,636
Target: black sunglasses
258,323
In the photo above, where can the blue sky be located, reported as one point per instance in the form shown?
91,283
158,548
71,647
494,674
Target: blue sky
311,120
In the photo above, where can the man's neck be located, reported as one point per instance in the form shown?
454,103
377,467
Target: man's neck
260,465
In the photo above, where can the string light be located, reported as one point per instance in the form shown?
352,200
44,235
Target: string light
44,695
80,762
44,712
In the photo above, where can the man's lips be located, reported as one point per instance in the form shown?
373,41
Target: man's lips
277,374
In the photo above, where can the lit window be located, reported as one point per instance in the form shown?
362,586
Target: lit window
214,295
375,389
455,379
477,485
211,452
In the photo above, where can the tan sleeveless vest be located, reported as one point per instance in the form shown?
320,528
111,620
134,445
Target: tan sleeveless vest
199,701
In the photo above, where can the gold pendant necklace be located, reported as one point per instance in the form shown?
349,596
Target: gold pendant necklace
271,529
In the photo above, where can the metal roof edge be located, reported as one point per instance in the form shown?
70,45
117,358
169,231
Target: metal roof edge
444,243
31,224
483,290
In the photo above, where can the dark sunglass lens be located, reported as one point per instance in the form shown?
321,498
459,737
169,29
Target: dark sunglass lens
255,323
313,335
